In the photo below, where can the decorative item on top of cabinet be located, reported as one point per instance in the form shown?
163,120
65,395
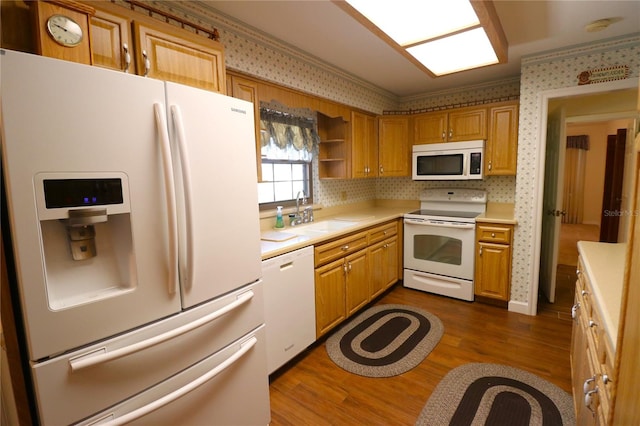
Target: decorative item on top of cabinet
461,124
364,146
501,150
492,278
394,150
62,30
333,150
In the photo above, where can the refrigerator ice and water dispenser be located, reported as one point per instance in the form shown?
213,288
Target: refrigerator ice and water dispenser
86,236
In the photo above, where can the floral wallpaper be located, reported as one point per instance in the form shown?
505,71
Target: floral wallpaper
540,73
255,53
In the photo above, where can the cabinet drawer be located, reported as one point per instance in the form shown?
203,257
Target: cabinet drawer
382,232
494,234
339,248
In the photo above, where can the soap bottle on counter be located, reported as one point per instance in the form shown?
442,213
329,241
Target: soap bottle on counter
279,221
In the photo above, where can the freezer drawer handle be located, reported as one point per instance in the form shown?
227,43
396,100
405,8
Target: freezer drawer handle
169,188
178,393
84,361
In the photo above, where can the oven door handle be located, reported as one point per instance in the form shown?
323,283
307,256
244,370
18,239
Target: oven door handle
440,224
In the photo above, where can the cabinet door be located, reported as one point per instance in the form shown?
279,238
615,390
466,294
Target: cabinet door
493,269
383,258
393,144
247,90
467,124
111,41
357,284
429,128
364,146
194,61
330,296
502,143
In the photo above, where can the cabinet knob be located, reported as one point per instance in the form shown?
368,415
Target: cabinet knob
574,310
588,399
584,292
480,252
127,57
345,247
444,135
381,170
592,323
147,63
493,235
586,386
489,165
450,133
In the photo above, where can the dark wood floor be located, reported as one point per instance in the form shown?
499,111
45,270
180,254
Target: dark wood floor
314,391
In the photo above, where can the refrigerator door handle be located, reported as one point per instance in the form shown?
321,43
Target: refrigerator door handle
101,356
178,393
186,179
167,164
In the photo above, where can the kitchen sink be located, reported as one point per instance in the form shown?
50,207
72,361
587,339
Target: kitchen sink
322,227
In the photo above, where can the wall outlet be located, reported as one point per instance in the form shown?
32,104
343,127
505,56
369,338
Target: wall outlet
343,195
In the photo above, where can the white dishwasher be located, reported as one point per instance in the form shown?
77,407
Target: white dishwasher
290,310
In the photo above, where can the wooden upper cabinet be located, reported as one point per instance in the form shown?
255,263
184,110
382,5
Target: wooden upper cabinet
181,58
463,124
111,42
430,127
467,124
394,153
501,150
364,146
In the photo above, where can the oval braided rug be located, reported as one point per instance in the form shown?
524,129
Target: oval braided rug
496,395
385,340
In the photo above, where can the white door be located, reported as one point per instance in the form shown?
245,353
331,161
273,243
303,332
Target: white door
77,121
552,203
214,149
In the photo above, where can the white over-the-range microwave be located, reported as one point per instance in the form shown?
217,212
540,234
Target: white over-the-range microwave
448,161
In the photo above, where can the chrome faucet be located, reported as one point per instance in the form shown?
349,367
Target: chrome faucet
307,213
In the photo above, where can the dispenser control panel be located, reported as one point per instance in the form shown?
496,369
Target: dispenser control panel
59,193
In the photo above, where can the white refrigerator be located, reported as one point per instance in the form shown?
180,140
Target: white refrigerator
133,213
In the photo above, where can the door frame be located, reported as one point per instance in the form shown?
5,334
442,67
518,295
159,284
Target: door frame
538,202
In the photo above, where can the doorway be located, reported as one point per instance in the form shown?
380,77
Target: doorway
594,200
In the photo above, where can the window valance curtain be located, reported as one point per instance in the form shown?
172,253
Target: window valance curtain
286,133
578,142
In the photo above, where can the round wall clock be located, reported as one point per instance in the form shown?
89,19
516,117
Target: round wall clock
64,30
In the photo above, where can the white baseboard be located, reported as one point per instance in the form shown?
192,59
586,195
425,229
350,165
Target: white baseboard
519,307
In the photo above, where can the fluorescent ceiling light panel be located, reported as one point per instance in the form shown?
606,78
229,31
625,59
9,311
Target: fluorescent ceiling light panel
439,36
412,21
459,52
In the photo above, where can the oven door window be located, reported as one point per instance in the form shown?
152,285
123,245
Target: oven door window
440,165
437,248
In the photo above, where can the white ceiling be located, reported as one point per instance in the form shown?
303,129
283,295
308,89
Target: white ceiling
321,29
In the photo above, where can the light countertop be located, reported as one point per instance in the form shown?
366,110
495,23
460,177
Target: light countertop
604,264
362,217
498,213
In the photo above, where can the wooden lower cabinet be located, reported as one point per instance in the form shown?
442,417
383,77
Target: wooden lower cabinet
353,270
493,261
592,357
383,258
